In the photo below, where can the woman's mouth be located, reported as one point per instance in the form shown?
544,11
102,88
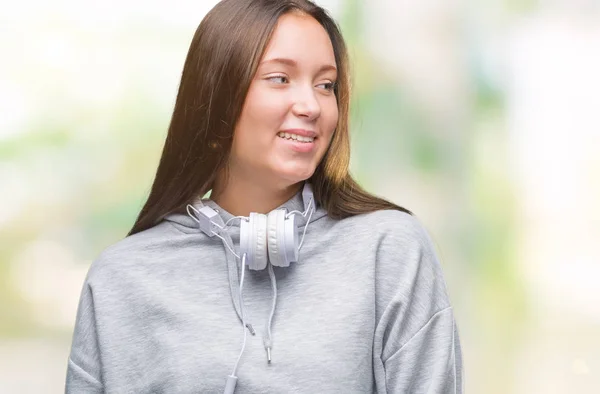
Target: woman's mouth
297,143
295,137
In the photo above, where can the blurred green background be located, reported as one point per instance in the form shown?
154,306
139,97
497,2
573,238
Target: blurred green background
481,117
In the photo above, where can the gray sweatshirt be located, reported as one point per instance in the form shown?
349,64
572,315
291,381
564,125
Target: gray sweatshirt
365,310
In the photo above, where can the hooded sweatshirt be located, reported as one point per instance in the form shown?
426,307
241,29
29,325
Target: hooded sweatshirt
364,310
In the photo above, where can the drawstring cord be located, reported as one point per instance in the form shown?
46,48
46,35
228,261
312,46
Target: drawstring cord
232,379
241,297
268,343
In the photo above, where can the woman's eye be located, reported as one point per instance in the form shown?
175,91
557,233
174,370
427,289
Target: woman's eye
328,86
280,77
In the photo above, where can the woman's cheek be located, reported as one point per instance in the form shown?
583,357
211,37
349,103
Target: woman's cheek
332,119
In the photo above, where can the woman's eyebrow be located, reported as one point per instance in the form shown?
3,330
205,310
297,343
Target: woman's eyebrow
293,63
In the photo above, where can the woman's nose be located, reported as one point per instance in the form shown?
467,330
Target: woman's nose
305,103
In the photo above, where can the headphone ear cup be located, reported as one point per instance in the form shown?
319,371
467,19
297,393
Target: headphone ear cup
253,241
275,254
260,241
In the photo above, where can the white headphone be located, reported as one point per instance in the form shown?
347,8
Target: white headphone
272,237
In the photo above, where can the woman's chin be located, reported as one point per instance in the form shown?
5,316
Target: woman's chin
295,174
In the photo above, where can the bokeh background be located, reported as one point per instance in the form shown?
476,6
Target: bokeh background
482,117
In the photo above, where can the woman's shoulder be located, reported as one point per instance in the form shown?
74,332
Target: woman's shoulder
400,239
137,250
392,223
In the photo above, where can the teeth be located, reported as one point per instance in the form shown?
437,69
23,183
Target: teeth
295,137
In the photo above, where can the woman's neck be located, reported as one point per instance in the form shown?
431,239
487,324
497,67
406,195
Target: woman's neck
239,197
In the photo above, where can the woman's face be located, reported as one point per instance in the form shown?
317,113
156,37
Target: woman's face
290,112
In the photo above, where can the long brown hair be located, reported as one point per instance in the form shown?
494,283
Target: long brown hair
221,62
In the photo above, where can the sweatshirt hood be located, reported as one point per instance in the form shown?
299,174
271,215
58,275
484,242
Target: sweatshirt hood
188,223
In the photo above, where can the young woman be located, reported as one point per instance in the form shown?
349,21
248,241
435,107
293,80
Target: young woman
290,277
